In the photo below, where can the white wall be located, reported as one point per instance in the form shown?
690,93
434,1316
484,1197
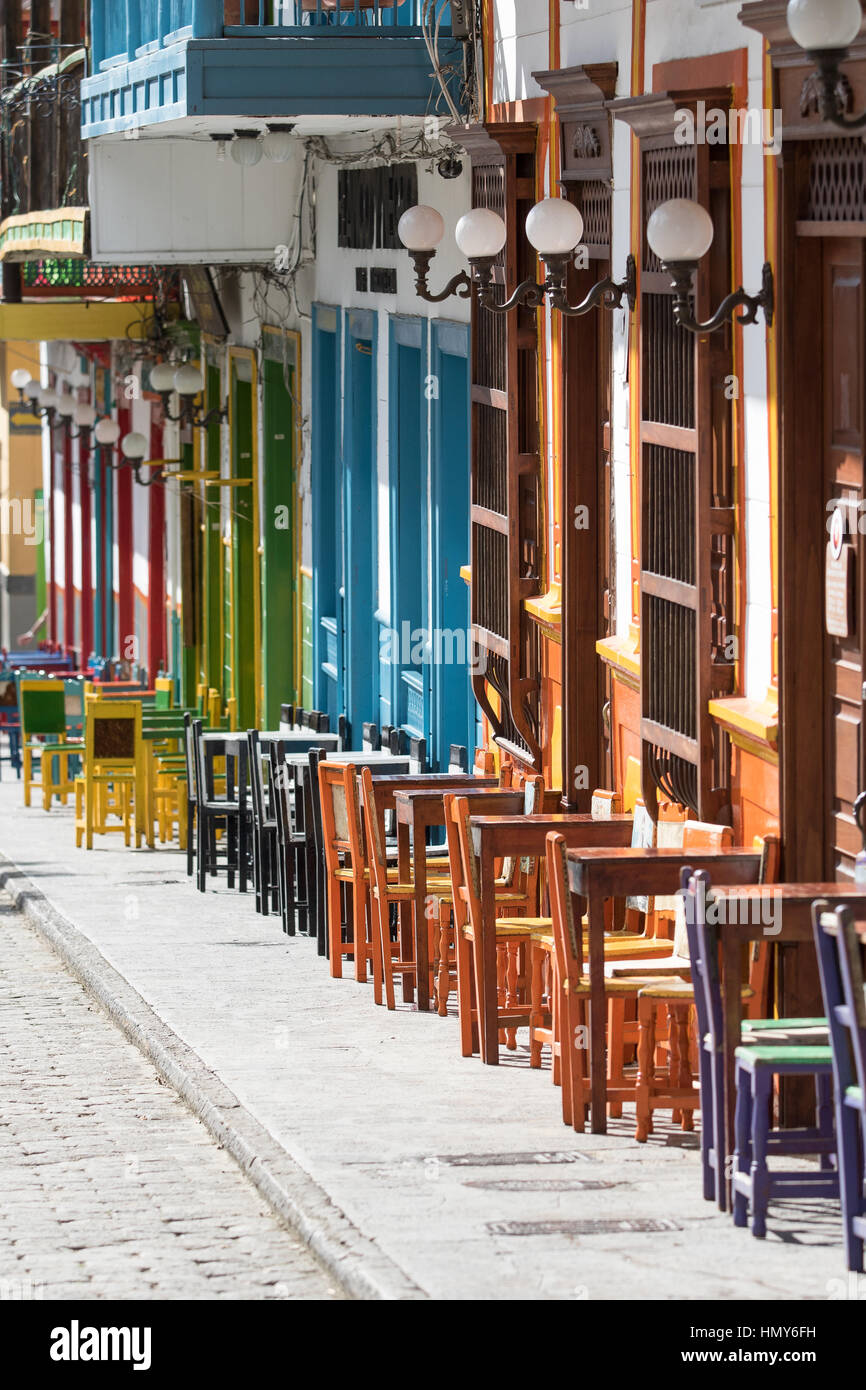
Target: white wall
675,29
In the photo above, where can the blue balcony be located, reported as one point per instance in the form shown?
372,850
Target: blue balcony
158,61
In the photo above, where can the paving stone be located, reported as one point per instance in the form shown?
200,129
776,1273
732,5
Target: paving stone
72,1225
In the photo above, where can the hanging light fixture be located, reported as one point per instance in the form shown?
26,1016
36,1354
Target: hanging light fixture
162,377
278,144
106,432
84,418
826,30
134,448
20,379
246,148
680,233
554,227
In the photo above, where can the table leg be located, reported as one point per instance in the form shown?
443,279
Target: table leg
422,935
731,1024
597,1016
485,956
407,942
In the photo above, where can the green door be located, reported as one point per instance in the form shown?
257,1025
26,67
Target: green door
279,568
241,595
212,558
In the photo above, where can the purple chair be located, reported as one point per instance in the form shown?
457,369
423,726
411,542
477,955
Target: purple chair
840,963
769,1048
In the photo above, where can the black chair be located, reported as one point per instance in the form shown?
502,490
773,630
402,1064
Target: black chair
370,740
291,844
264,832
191,800
344,729
287,715
213,813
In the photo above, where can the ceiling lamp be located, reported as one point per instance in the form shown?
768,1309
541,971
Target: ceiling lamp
278,144
246,148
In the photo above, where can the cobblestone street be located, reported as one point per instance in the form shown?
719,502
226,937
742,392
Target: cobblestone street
109,1187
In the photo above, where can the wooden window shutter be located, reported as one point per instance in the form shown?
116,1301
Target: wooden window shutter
686,497
588,554
505,556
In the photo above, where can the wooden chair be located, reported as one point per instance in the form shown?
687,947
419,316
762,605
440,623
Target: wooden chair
215,814
113,764
386,890
516,894
573,984
840,960
44,733
808,1032
346,868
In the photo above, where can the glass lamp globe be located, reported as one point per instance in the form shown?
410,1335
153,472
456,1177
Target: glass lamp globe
480,233
33,389
107,431
554,227
680,230
817,24
162,377
133,446
50,400
188,381
278,144
79,378
84,416
246,149
421,228
20,378
65,407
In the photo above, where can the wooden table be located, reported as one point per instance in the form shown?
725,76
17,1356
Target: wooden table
496,837
418,809
603,873
782,913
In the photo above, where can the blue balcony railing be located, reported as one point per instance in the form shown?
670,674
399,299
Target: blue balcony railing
121,33
155,61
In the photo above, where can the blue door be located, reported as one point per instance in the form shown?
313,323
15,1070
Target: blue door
328,629
454,711
360,540
405,675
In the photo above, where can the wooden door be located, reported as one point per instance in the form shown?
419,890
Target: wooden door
840,372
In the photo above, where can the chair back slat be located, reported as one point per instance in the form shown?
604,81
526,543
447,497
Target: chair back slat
567,930
841,968
112,732
704,956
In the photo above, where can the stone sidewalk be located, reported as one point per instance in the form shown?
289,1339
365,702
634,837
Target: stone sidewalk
412,1171
110,1188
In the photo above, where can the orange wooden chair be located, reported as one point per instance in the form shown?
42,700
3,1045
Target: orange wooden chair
346,869
673,1087
573,983
516,934
386,891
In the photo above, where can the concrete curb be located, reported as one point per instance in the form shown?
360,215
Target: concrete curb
350,1257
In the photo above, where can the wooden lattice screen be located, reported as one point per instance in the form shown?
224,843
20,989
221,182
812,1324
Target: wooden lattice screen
686,492
504,501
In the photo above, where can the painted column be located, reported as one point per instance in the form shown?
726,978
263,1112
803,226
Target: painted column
156,566
125,593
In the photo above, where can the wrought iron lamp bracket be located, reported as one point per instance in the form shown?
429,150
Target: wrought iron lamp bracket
459,285
608,293
528,295
681,276
827,61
